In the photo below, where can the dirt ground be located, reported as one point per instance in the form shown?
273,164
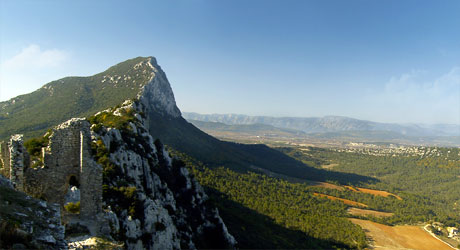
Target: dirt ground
348,202
374,192
399,237
354,189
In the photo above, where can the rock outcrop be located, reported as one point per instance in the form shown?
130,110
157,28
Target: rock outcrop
157,93
28,223
158,205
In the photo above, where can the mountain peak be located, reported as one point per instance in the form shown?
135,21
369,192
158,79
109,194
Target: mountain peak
139,77
157,94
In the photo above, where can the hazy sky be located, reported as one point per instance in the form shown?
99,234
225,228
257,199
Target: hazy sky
388,61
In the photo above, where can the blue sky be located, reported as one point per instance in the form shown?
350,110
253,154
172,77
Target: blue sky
387,61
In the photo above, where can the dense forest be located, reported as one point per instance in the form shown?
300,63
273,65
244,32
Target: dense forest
265,212
286,214
428,179
290,205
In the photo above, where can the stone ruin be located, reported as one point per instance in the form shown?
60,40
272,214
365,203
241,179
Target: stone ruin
66,162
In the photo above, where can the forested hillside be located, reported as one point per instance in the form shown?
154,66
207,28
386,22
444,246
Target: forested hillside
427,178
32,114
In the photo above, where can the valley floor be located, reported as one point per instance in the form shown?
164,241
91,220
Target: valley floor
384,237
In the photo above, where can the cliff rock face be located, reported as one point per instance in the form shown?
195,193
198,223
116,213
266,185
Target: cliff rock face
157,204
157,93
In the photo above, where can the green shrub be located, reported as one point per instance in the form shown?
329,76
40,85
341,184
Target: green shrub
72,207
34,146
108,119
125,197
109,170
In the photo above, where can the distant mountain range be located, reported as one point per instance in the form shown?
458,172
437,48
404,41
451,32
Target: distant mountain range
329,124
247,128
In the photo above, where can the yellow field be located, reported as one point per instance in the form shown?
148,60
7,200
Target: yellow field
348,202
354,189
399,237
372,191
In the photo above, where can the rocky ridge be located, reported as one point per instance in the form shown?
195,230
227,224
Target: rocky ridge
157,204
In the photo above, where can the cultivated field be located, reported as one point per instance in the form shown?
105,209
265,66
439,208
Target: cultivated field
372,191
399,237
354,189
348,202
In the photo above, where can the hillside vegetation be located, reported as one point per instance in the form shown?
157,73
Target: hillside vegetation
427,180
253,201
287,215
186,138
32,114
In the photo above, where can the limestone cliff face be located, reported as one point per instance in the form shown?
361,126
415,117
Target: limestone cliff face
157,204
157,93
163,206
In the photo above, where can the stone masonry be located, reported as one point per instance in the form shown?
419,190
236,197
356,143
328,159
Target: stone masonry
5,159
19,161
68,156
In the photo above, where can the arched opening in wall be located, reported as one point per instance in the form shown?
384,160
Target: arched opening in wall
74,182
72,197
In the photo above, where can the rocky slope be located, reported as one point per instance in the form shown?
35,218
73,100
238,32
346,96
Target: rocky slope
150,201
28,223
157,204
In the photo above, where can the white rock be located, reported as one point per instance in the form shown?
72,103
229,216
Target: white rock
47,238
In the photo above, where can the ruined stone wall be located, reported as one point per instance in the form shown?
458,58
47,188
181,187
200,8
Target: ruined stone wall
61,161
5,159
19,161
67,155
90,178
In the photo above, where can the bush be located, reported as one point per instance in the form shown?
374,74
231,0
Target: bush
34,146
72,207
108,119
109,170
125,197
